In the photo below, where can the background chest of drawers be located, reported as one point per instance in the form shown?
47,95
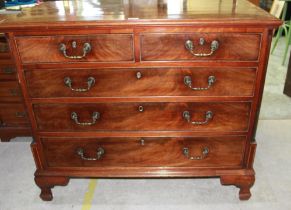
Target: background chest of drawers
154,94
13,116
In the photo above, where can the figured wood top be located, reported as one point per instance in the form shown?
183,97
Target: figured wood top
136,12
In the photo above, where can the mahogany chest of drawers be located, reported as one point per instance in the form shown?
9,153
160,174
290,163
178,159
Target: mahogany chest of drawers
142,88
13,116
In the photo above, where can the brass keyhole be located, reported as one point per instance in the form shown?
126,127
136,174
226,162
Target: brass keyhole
140,108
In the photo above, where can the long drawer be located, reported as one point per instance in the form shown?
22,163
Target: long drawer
230,116
13,115
10,91
91,48
198,81
200,46
144,152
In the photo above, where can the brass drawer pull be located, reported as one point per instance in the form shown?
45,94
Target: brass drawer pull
86,49
100,152
95,117
14,92
90,81
208,117
20,114
2,124
8,70
213,47
205,152
188,83
4,47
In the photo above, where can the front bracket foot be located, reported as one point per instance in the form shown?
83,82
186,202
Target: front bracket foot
46,183
243,182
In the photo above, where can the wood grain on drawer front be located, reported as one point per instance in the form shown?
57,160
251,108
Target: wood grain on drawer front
104,48
171,47
131,152
232,116
7,72
13,115
141,82
10,91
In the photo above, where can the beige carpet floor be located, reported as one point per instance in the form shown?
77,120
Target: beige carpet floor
275,104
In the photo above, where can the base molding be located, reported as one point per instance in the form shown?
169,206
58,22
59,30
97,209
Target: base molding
243,181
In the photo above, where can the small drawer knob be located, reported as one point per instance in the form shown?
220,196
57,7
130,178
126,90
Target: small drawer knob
138,75
140,108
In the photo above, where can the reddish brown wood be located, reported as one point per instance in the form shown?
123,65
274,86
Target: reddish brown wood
13,115
239,13
169,47
151,82
105,48
150,39
256,2
4,47
13,118
8,133
10,92
155,116
244,183
46,183
7,72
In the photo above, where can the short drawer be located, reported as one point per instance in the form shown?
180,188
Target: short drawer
144,152
7,73
91,48
13,115
200,46
141,82
10,91
228,116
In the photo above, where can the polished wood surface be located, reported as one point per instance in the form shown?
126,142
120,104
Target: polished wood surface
171,47
105,48
75,13
7,73
155,116
147,37
141,82
10,92
4,47
152,152
13,115
256,2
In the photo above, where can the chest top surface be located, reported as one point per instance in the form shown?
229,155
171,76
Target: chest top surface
139,12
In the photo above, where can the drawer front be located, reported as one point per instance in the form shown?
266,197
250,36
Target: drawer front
144,152
143,116
4,47
10,92
7,73
13,115
141,82
97,48
216,46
